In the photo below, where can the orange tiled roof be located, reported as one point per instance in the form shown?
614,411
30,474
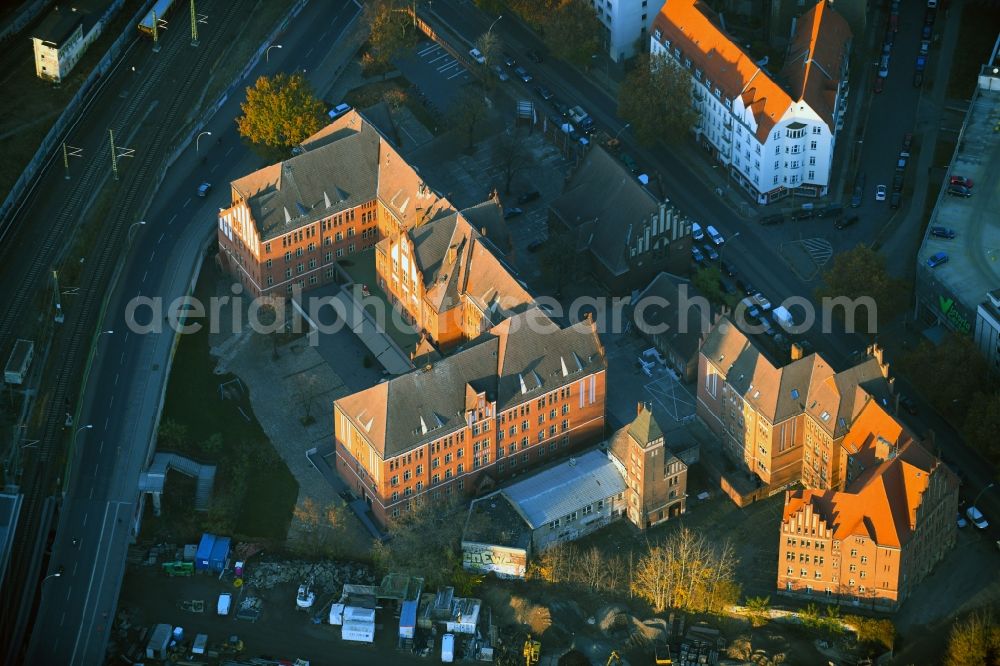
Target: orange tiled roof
820,40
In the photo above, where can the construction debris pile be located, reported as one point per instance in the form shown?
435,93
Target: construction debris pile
701,645
616,622
326,576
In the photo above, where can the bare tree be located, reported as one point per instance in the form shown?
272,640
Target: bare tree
512,155
307,389
489,45
468,111
591,568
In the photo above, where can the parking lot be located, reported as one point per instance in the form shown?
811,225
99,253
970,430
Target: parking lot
435,73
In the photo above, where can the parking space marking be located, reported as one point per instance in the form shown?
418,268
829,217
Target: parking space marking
819,249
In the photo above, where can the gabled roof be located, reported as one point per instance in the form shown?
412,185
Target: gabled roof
882,504
813,62
605,204
512,363
345,164
821,38
556,492
683,335
644,428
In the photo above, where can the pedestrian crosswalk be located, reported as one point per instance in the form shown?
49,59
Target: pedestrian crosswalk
819,249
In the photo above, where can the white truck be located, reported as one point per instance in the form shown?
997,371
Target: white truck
448,648
200,643
225,603
783,317
159,639
357,631
19,362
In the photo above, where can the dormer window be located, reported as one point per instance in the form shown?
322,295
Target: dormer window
825,416
657,35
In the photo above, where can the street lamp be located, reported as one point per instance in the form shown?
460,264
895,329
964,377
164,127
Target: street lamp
493,24
267,53
89,426
58,572
198,139
985,488
624,127
134,225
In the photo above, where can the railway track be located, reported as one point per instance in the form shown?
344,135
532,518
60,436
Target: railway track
71,344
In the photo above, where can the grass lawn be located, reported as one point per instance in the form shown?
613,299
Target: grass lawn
255,493
361,268
976,35
372,93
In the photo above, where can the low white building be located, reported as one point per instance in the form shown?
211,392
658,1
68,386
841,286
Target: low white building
62,38
987,334
775,134
561,503
627,24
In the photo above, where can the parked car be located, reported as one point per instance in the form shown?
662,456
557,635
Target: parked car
918,79
959,191
880,191
533,55
942,232
714,234
522,74
338,111
544,93
925,32
845,222
560,108
762,301
937,259
907,141
925,46
907,403
977,518
745,287
897,182
528,197
890,37
802,214
883,66
895,200
502,75
833,210
204,189
727,269
879,84
960,180
478,56
629,163
961,521
508,60
772,219
536,245
696,254
696,232
512,212
921,63
710,252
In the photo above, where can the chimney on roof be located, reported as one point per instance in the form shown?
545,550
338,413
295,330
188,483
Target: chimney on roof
639,408
482,231
452,254
326,199
288,218
796,351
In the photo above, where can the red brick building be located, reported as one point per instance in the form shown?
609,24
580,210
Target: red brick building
525,393
872,543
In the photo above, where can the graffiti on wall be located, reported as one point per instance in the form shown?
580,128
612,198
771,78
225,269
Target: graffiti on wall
504,562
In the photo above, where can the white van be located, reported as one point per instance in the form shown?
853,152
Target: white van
225,601
714,234
448,648
696,231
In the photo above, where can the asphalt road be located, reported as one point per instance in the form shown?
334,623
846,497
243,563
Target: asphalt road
101,507
755,252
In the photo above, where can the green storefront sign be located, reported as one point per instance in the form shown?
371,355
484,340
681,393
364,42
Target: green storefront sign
958,320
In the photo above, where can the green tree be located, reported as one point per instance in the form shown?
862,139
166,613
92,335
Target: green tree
982,423
391,28
468,111
573,31
322,527
707,280
280,111
533,12
858,286
213,446
426,541
758,610
490,6
172,433
948,374
974,641
873,631
655,99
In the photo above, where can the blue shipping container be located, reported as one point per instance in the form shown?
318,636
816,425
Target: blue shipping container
203,556
220,552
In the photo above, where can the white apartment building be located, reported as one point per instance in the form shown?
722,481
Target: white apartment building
774,134
627,23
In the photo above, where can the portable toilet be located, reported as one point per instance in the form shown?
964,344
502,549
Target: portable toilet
203,556
220,553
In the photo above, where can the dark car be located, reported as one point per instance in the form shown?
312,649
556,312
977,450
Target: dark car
918,79
512,212
745,287
907,403
533,55
890,37
508,60
559,107
907,141
879,84
522,74
843,223
544,93
727,268
895,200
803,214
942,232
535,246
528,197
772,219
959,191
925,32
897,183
835,210
857,196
